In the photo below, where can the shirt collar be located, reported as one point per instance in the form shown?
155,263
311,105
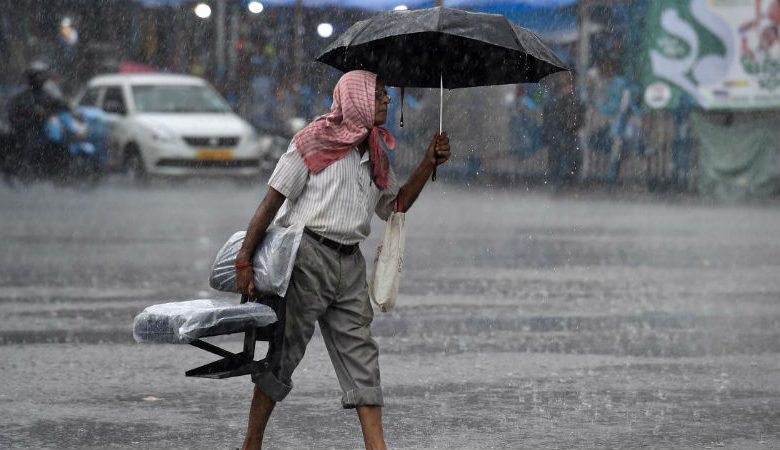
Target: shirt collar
363,158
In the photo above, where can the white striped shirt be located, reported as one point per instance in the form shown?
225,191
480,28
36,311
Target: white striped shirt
338,202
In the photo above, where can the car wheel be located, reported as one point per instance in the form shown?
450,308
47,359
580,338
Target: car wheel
134,166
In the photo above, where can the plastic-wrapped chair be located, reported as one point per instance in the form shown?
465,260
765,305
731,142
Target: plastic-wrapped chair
188,321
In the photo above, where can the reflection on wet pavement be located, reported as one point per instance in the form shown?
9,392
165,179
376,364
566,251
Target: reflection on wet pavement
530,322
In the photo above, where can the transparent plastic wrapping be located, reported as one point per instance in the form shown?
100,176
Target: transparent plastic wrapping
272,263
183,322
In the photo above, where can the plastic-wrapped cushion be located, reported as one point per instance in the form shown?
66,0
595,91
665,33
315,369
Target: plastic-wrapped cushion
272,262
183,322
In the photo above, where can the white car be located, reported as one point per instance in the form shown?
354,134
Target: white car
165,124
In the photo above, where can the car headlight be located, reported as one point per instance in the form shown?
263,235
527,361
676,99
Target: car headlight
165,138
162,134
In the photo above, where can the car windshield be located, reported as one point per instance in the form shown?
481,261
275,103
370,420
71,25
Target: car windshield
178,99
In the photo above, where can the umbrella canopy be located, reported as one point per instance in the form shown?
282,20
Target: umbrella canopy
443,47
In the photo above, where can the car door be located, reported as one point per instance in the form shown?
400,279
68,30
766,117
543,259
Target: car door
113,102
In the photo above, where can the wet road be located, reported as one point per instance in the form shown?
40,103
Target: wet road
525,321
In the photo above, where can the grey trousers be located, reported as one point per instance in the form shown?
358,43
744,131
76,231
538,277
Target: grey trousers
329,288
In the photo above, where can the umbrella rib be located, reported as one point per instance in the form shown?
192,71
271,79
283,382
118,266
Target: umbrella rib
365,23
538,41
438,30
514,34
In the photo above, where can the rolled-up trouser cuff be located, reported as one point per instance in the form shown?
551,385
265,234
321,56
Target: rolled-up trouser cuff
362,397
272,387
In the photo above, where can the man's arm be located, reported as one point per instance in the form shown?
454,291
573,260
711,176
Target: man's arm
255,232
438,153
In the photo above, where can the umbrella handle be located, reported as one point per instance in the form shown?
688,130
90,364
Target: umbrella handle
441,112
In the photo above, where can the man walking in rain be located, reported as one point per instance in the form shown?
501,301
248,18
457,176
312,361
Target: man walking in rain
332,179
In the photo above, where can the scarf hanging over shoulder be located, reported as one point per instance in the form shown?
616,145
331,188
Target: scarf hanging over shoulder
332,136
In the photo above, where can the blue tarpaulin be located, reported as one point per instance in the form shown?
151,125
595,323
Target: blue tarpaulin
374,5
540,19
157,3
548,17
385,5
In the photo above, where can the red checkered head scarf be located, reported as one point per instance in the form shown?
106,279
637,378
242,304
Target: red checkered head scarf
331,136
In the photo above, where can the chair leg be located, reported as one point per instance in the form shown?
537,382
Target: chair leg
243,363
249,343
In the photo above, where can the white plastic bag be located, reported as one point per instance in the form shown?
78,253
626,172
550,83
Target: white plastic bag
388,263
183,322
272,262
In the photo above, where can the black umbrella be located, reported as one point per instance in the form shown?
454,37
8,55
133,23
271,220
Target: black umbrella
444,48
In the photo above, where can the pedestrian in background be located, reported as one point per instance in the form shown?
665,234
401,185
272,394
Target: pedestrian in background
525,123
561,123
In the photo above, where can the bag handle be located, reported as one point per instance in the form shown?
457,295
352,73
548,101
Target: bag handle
398,205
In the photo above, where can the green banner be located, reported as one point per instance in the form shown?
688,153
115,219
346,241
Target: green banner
738,156
721,54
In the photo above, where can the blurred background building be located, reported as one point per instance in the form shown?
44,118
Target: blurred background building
665,94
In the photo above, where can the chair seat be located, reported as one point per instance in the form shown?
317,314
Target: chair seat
187,321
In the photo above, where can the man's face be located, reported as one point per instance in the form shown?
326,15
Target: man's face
380,103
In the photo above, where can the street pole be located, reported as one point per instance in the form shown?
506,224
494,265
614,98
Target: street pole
219,47
583,61
298,42
232,42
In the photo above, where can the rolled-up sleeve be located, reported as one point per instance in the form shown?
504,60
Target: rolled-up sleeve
386,203
290,174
